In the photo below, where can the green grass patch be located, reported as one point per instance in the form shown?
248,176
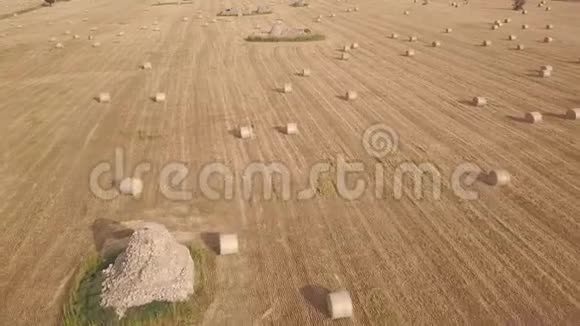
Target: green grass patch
253,13
83,307
299,38
300,5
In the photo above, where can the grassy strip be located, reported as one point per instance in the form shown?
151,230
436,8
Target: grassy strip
253,13
300,38
83,304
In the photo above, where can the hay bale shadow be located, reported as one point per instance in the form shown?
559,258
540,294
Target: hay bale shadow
555,115
234,132
316,297
467,103
212,241
483,177
517,119
104,230
280,129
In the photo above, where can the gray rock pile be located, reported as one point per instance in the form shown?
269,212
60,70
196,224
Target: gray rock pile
279,29
154,267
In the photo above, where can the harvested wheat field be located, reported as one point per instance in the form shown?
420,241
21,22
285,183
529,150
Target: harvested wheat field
460,204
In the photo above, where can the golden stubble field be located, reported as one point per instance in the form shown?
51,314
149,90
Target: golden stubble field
510,257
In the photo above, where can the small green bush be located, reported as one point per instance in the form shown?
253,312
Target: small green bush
299,38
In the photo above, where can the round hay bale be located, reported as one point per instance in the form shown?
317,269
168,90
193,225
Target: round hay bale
486,43
436,44
545,73
547,67
120,33
410,53
520,47
287,88
479,101
96,44
291,128
228,243
147,66
448,30
131,186
394,35
76,36
512,37
548,8
185,19
354,46
104,98
407,13
318,20
160,97
507,20
549,26
533,117
346,48
494,27
332,15
344,56
498,178
573,114
59,45
339,304
524,12
525,26
548,39
351,95
90,37
356,9
245,132
413,38
305,72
